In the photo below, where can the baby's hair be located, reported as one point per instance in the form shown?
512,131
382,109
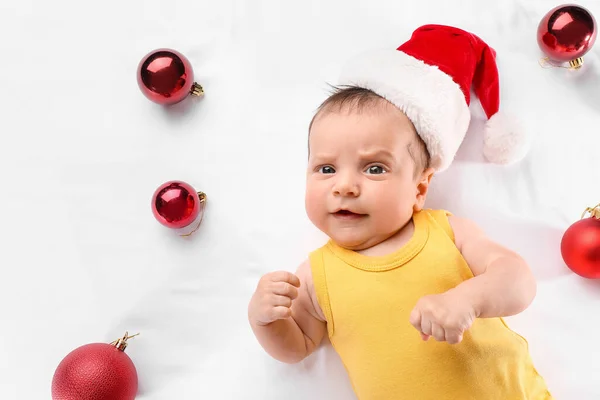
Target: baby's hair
358,99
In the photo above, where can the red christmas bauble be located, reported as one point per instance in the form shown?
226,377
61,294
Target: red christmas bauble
166,77
96,371
177,205
566,32
580,246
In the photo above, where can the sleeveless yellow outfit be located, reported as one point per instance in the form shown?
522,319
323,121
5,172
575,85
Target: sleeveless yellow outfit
367,302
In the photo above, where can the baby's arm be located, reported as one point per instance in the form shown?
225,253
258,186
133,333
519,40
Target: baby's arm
285,316
503,284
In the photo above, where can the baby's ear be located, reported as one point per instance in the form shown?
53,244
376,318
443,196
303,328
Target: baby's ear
426,177
422,188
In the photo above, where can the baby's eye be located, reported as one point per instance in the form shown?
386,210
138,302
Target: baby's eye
327,169
376,170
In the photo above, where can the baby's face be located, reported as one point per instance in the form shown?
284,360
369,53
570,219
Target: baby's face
361,186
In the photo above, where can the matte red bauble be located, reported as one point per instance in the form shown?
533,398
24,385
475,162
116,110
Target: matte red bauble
166,77
580,245
96,371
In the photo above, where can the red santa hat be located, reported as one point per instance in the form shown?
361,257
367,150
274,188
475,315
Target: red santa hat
430,78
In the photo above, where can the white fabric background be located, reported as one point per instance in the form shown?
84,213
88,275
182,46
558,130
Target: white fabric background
82,151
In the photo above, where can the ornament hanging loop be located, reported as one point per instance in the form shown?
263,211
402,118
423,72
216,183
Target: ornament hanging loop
121,343
595,212
573,64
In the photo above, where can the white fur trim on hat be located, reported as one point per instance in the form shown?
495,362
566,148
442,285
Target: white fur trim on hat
504,142
430,98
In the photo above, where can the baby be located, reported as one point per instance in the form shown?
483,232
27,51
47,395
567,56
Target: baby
411,298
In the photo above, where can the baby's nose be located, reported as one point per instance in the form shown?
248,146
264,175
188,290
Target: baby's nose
346,186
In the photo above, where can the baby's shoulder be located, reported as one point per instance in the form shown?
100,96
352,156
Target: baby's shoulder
457,227
439,214
441,218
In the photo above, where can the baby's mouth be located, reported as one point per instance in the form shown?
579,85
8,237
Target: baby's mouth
347,214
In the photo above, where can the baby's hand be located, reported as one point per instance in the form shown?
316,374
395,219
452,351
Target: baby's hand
273,297
444,316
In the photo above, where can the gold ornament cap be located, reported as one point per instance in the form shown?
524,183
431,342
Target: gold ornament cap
594,212
197,90
576,63
121,343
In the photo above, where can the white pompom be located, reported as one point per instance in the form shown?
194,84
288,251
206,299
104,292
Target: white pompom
504,142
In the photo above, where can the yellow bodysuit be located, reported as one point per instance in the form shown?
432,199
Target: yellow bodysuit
367,302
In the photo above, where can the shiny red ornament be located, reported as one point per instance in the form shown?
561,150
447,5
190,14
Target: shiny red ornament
96,371
566,33
580,245
166,77
177,205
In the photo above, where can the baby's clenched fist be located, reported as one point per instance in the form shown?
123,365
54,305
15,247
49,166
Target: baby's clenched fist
444,316
273,297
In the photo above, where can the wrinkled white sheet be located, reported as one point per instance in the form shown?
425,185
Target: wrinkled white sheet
82,151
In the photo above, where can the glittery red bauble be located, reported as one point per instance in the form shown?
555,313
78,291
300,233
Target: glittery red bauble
176,204
97,371
566,32
166,77
580,247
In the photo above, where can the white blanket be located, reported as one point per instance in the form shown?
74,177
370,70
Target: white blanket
83,260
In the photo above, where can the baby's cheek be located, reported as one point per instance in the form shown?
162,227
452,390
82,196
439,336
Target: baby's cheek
314,204
389,208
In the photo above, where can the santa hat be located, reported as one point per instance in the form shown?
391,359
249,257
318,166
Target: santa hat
429,78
